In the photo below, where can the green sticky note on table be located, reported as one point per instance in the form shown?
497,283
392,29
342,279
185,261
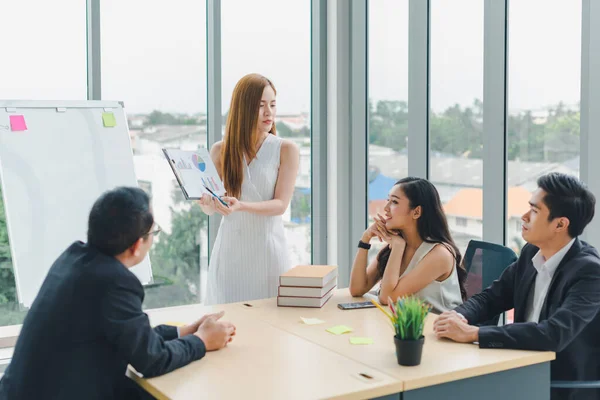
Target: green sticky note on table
109,120
361,340
340,329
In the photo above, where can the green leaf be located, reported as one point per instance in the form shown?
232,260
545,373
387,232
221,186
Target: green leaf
410,317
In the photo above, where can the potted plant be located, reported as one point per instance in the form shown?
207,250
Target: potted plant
408,318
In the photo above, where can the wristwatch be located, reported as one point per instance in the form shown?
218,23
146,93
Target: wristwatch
363,245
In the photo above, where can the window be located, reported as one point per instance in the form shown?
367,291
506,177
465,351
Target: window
543,103
154,59
273,39
388,101
456,116
44,59
44,54
146,186
10,311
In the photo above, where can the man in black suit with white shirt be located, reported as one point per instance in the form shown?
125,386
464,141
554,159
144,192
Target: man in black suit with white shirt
86,323
554,288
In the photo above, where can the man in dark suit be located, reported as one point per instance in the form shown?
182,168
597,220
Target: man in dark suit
86,323
554,288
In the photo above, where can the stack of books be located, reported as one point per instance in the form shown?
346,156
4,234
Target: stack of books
307,286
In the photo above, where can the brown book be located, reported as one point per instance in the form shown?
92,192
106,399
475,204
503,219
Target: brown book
309,275
313,302
302,291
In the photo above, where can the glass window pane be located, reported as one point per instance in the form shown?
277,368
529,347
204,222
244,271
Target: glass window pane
154,59
10,311
543,102
44,52
456,116
388,101
258,39
48,66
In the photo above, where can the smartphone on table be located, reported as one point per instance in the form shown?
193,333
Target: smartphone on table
356,306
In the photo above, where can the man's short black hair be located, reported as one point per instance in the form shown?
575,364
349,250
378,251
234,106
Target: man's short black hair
567,196
118,218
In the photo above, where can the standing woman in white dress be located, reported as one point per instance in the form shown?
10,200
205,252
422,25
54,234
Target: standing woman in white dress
259,172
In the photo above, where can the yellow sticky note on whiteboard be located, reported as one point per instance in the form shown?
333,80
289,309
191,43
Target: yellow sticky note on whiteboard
109,120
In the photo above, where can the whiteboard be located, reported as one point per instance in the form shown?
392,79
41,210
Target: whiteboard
51,175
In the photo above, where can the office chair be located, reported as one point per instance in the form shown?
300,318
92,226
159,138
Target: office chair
484,263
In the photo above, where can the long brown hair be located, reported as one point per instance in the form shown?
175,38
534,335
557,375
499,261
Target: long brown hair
241,133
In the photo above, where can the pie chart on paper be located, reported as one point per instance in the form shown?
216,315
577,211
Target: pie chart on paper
199,162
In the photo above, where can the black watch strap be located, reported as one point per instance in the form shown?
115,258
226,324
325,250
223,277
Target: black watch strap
363,245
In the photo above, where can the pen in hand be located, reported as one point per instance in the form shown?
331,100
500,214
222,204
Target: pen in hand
215,196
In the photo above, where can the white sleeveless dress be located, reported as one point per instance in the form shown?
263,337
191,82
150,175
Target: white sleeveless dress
444,295
250,251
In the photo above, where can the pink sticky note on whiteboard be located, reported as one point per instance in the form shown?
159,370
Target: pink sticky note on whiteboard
17,123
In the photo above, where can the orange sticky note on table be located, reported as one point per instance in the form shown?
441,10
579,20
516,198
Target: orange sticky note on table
17,123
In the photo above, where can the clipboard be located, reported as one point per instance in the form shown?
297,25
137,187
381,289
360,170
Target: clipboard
193,171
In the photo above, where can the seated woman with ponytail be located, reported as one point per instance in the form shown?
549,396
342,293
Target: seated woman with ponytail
420,257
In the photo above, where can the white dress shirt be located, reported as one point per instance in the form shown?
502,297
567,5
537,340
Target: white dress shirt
545,272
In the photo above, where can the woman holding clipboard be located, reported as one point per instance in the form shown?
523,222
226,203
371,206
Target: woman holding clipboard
259,172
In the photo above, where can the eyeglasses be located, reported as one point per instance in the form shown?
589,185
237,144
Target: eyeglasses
156,231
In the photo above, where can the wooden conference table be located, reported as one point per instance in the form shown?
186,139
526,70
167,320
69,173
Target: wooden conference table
276,356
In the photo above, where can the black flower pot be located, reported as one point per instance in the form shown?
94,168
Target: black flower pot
409,352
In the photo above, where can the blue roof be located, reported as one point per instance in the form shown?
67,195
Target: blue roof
380,187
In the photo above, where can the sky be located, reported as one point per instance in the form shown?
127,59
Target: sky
154,55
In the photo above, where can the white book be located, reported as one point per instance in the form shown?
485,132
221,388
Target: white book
314,302
309,275
300,291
